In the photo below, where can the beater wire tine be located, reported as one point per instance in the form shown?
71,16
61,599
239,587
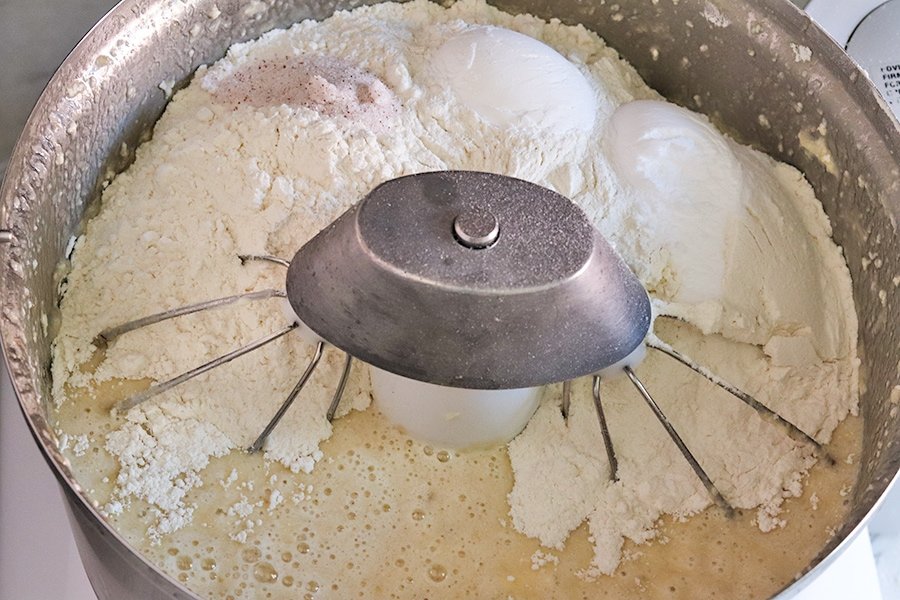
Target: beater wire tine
604,431
339,392
258,444
263,258
767,413
698,470
153,390
106,336
566,399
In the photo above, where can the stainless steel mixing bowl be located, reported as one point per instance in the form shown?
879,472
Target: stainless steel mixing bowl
760,68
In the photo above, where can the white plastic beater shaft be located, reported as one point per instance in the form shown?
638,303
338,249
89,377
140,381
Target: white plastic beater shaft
450,417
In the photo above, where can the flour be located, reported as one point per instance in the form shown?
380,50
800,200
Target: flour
275,499
222,176
81,445
540,558
244,525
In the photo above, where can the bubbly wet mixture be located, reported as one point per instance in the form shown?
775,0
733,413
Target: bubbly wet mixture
387,516
276,140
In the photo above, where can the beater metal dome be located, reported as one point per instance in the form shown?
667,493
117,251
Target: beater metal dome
471,280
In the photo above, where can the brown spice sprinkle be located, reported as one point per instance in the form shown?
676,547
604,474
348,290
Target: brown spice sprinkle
328,85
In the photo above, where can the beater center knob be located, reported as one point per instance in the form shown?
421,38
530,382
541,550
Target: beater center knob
476,228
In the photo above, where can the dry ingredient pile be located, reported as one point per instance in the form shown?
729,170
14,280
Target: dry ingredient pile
273,142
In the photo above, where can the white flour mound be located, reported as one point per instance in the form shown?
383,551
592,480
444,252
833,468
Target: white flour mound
226,173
